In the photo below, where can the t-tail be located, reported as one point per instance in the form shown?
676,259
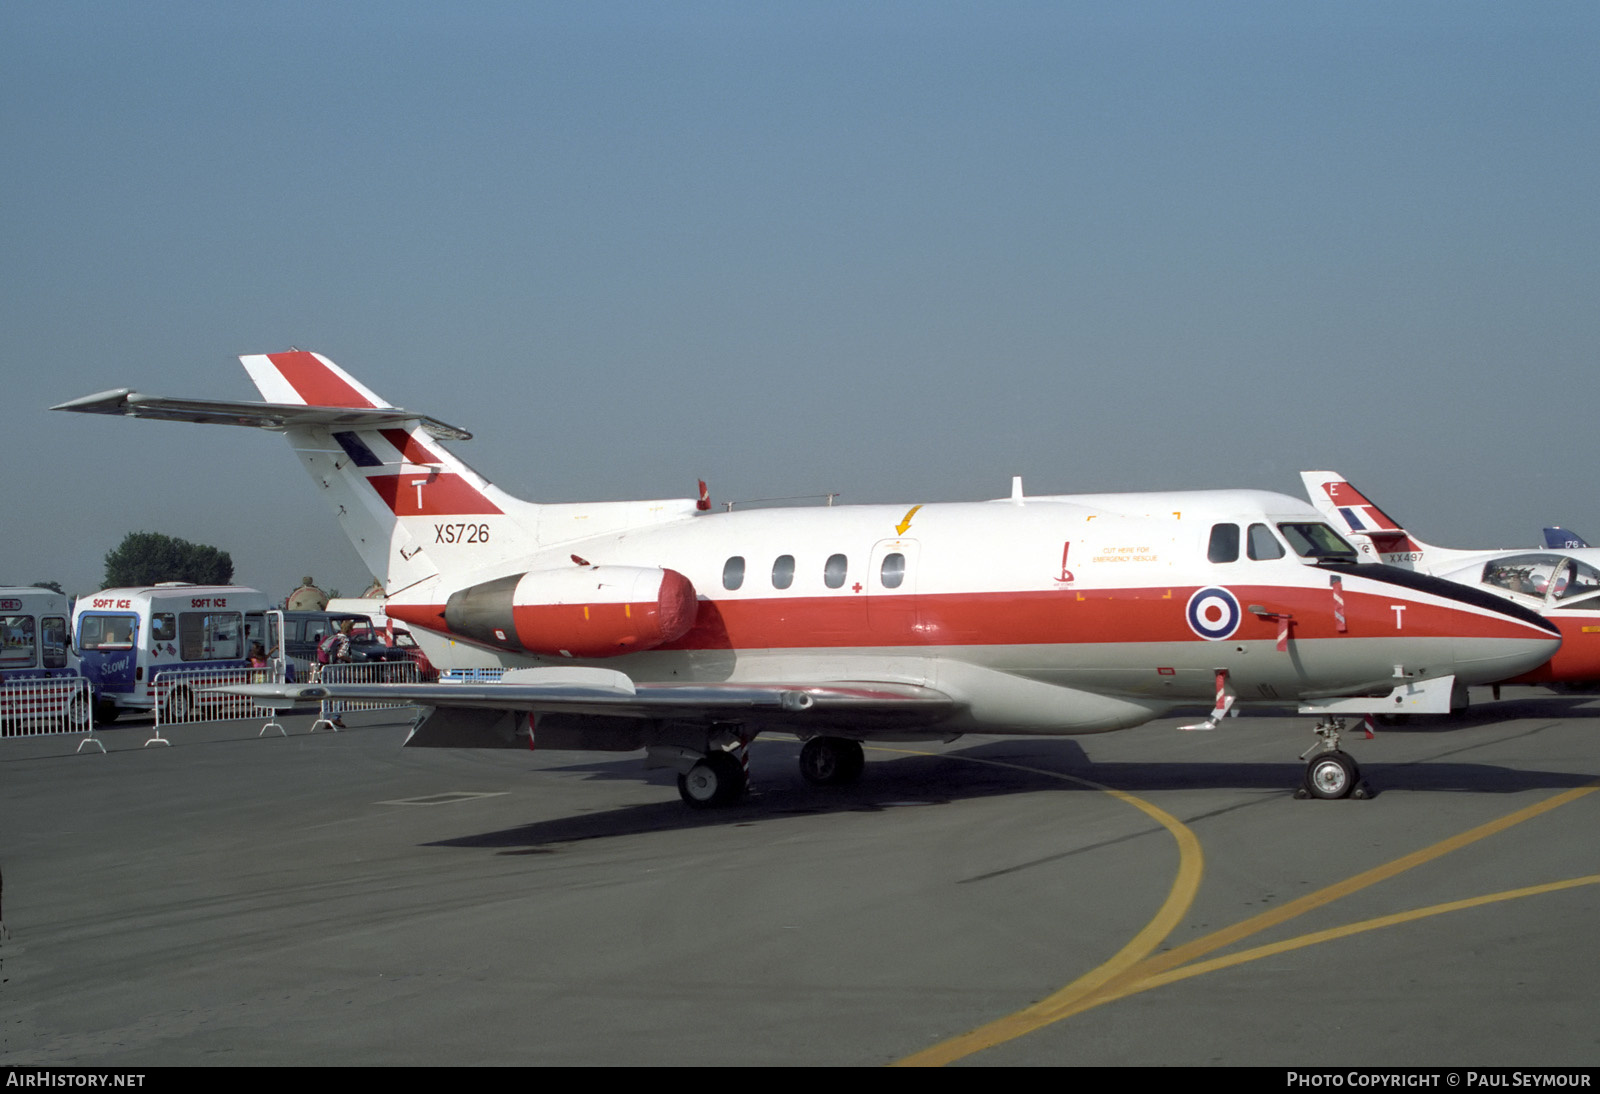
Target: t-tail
411,507
413,510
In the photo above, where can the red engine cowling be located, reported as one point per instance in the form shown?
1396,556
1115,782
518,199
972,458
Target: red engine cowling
576,611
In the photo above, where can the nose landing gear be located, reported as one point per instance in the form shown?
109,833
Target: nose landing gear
1330,773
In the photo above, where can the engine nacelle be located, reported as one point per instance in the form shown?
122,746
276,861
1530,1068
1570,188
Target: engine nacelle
576,611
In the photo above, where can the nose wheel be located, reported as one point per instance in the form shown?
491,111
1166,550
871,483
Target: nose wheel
1330,773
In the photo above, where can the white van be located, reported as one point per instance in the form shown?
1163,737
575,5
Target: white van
33,635
126,637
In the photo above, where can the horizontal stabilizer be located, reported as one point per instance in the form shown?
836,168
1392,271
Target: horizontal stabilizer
273,416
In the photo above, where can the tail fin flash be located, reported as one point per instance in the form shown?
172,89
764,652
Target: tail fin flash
1560,539
410,507
301,378
1358,518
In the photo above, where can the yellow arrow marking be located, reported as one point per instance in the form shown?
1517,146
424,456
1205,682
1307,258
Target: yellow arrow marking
905,522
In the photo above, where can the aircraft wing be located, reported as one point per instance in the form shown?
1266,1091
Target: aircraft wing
580,703
274,416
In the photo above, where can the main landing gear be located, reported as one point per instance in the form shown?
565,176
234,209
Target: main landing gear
718,779
1331,773
831,761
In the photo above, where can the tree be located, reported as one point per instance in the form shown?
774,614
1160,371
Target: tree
148,558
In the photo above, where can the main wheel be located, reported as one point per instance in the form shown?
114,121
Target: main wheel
716,780
1332,775
831,761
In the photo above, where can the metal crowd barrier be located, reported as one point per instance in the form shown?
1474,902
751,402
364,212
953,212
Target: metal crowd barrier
362,672
184,695
54,704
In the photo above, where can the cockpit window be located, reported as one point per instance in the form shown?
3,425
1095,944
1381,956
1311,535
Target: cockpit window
1567,582
1575,579
1318,541
1224,546
1263,544
1530,575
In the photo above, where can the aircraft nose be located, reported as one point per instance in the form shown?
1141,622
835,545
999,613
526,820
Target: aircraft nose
1491,639
1491,660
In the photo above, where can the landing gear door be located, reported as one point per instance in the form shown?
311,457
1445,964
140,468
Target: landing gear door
892,591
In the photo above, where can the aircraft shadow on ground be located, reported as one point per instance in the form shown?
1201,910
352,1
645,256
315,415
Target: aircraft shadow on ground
777,792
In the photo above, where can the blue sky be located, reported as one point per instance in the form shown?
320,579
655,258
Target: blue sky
901,251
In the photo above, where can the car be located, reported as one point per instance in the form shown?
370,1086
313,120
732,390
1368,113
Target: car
305,631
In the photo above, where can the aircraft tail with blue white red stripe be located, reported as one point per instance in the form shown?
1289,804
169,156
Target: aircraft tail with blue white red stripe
1377,535
411,508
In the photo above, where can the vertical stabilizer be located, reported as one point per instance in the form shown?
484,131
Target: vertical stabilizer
1372,530
410,507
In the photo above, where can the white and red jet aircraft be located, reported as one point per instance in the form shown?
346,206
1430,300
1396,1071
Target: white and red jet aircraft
664,626
1561,584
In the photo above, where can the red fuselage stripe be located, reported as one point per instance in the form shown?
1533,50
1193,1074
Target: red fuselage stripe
1045,618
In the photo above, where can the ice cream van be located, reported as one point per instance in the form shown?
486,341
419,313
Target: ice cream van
33,635
125,638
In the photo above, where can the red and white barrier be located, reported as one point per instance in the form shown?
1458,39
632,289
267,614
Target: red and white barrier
44,705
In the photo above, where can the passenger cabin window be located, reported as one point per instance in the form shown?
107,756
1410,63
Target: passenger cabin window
1263,544
783,572
1318,541
733,572
1224,543
893,570
833,571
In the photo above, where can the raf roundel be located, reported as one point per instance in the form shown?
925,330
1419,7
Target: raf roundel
1213,614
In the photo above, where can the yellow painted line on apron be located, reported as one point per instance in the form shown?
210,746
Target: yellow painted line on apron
1191,865
1119,978
1191,951
1333,933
